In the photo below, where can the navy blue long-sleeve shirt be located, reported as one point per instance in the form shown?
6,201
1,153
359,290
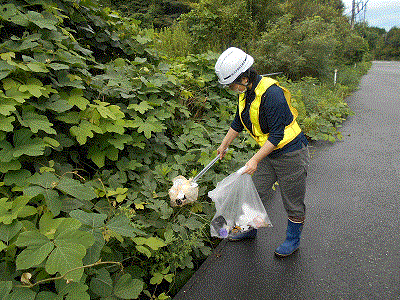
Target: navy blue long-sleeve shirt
275,115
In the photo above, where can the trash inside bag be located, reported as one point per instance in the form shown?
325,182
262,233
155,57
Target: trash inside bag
238,206
183,191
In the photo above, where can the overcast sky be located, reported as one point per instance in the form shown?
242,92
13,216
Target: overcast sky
379,13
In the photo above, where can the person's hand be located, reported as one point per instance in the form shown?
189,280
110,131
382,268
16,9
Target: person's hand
251,166
221,151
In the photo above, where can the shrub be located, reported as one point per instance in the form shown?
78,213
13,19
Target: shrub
175,41
216,25
91,138
298,49
321,109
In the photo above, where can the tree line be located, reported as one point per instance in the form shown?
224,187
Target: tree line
216,24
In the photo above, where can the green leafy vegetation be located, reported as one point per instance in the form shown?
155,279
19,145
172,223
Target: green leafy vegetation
96,121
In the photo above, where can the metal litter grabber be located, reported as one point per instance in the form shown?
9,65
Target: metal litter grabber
184,191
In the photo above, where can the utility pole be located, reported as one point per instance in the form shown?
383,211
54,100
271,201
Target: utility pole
353,13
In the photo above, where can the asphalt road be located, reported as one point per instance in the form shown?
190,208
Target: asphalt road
350,247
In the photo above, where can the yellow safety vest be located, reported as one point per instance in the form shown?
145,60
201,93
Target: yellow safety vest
291,131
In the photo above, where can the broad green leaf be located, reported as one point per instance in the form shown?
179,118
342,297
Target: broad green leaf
165,210
58,66
141,108
93,220
9,12
2,247
33,86
21,293
9,84
9,166
74,291
53,201
46,180
84,130
102,284
169,277
17,95
6,124
116,111
76,189
7,108
48,225
119,62
76,98
59,105
33,255
5,69
125,164
76,237
143,39
33,191
105,112
117,126
155,243
70,203
5,206
37,67
45,295
52,142
65,79
24,144
72,117
157,278
27,211
7,232
120,140
41,21
65,257
144,250
68,224
111,153
148,126
63,140
9,210
7,55
98,157
5,288
93,252
169,236
128,288
17,177
36,121
32,147
31,239
192,223
121,225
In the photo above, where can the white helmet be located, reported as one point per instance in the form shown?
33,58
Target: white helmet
231,63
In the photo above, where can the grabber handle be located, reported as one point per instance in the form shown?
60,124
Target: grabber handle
201,173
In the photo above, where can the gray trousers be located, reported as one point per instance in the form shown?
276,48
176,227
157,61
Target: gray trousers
290,171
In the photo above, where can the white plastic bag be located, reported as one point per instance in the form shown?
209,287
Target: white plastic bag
183,191
239,207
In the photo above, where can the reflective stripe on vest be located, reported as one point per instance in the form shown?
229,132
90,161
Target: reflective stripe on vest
291,131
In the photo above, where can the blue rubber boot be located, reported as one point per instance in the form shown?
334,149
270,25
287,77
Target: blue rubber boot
249,234
292,242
